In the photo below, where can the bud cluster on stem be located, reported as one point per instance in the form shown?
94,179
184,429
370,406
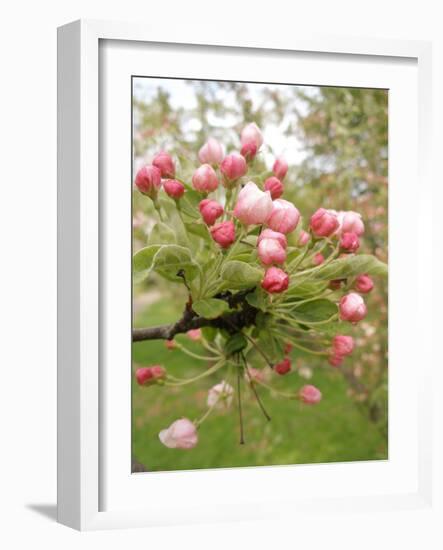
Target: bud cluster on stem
277,271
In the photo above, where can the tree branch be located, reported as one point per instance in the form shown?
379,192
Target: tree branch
231,322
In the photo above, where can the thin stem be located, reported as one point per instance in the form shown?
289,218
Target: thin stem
309,323
319,250
235,245
210,409
158,209
312,270
299,346
208,372
210,348
256,346
278,392
192,354
228,198
200,421
254,390
327,292
298,261
240,412
292,305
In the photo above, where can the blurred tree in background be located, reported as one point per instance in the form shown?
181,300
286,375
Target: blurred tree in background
345,134
336,142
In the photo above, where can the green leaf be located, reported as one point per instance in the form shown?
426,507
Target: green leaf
350,267
235,343
210,308
175,223
189,204
142,262
209,333
171,259
198,229
258,299
293,253
262,320
314,311
334,327
239,275
162,234
305,289
245,257
270,344
245,252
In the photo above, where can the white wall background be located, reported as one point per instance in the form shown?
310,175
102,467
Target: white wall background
28,265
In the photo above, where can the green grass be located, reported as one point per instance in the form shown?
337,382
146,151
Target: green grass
332,431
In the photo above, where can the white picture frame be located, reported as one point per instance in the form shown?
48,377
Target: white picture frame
81,413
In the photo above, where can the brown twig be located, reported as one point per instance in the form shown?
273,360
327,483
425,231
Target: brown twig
231,322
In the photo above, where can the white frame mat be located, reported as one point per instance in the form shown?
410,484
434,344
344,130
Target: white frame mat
82,397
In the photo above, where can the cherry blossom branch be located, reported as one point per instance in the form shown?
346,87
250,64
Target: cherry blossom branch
244,317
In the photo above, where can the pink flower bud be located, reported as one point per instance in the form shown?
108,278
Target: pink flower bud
205,179
349,242
284,216
280,168
274,186
252,133
220,395
310,394
283,367
194,334
270,251
223,233
351,222
269,234
210,210
303,238
324,222
256,375
143,376
163,161
233,167
352,308
335,360
181,434
169,344
342,345
248,150
335,284
364,284
275,280
211,152
288,348
174,188
146,376
158,372
148,180
318,259
253,205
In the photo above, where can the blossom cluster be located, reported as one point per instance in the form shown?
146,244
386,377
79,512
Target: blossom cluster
252,206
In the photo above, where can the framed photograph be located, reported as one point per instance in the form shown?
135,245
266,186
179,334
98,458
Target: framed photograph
232,312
